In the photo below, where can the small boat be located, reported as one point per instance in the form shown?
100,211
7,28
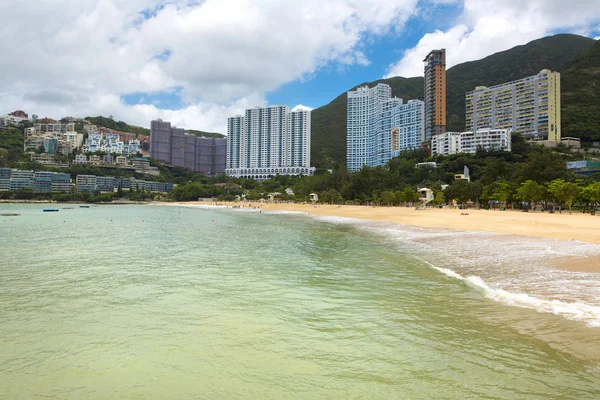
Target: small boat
67,208
84,206
50,210
10,214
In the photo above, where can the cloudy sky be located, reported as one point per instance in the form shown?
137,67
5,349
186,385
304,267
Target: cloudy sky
197,62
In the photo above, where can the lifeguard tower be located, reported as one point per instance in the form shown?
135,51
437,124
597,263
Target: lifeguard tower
425,197
314,197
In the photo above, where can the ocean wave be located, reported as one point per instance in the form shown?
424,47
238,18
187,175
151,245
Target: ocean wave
573,311
518,270
283,212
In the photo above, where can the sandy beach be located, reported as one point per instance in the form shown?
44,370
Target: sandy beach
577,226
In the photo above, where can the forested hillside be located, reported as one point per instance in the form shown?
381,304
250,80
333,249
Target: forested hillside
580,100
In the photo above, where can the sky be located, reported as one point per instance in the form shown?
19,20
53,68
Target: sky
196,63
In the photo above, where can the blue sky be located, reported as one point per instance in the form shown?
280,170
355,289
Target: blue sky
196,63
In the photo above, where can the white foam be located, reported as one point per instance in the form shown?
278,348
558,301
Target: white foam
573,311
283,212
517,266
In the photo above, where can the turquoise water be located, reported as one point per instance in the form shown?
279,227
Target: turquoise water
150,302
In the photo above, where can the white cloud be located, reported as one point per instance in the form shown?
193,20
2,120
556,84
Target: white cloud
300,107
597,38
489,26
78,57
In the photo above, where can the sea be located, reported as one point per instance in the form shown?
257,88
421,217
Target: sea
174,302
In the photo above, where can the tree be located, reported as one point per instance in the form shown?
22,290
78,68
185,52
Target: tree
591,194
475,192
543,165
253,195
3,157
570,191
530,191
460,190
439,198
332,196
387,198
189,192
410,196
502,192
563,192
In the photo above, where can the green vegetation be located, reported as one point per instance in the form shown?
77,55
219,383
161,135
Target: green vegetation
328,148
118,126
580,96
563,192
532,192
11,145
205,134
138,130
83,197
196,190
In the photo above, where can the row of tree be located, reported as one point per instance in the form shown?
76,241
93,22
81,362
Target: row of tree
528,194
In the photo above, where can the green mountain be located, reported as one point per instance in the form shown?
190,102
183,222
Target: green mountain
580,96
328,147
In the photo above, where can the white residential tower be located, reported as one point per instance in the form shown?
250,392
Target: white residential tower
269,141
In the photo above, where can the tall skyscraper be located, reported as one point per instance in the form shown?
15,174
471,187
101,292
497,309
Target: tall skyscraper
269,141
380,126
174,147
530,106
435,93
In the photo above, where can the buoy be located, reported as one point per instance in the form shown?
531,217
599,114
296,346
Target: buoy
213,220
142,220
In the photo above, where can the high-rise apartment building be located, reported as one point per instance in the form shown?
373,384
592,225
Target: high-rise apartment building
530,106
269,141
380,126
174,147
435,93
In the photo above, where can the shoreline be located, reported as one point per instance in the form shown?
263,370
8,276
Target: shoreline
576,227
